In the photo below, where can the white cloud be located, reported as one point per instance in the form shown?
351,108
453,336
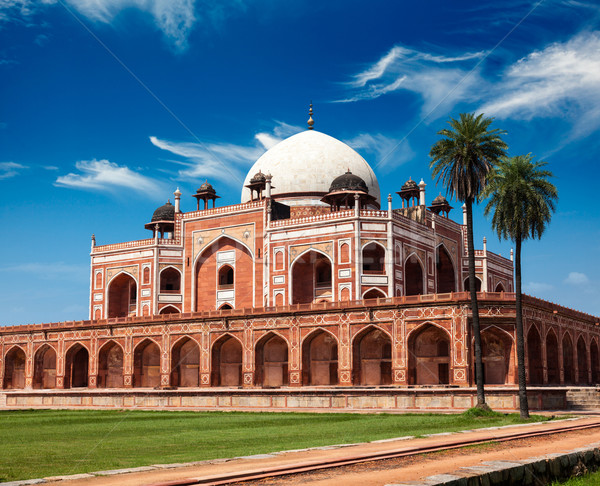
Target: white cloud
10,169
438,79
104,175
561,80
577,278
537,288
386,152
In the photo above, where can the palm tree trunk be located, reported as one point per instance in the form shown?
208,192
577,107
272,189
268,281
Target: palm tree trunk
523,404
475,309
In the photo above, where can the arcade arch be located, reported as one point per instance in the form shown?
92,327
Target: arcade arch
185,363
146,364
372,357
534,357
271,365
14,369
226,363
44,367
76,367
496,350
429,356
595,360
582,362
552,364
567,349
110,366
320,359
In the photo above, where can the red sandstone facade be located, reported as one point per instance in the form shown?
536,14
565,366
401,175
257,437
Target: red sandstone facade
304,288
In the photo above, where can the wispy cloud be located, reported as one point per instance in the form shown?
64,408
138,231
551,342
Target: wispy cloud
10,169
226,162
386,152
436,78
562,79
537,288
103,175
577,278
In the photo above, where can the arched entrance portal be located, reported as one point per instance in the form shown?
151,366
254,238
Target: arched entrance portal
567,346
319,359
122,296
429,356
413,276
110,366
311,278
582,362
185,363
14,369
552,358
271,361
146,364
226,363
76,367
496,351
44,368
372,358
444,271
534,357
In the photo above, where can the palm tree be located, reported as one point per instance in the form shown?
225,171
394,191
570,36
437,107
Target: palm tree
462,160
522,200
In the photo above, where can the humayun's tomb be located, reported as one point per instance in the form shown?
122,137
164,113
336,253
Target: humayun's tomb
313,292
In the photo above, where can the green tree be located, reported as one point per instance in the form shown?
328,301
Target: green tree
462,160
522,200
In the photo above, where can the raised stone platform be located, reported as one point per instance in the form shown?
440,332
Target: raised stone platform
338,399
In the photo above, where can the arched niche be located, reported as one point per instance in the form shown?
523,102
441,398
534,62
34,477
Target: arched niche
582,362
122,296
320,359
170,281
76,367
499,288
552,358
311,278
110,366
445,275
44,367
169,309
146,364
271,361
226,362
567,349
413,276
14,369
534,357
226,277
429,356
373,294
185,363
477,285
372,357
496,350
373,259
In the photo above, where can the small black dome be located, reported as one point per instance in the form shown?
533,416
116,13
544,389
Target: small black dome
206,187
164,213
410,184
348,182
258,177
439,200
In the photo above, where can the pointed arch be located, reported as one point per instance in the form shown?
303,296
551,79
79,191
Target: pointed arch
499,288
372,357
414,275
226,361
146,364
444,270
429,355
552,361
185,363
226,276
373,258
320,358
534,356
170,309
497,354
568,362
44,367
374,293
170,280
595,361
14,368
121,295
77,360
582,362
110,365
477,284
271,365
311,275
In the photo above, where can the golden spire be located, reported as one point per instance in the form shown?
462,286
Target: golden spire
311,122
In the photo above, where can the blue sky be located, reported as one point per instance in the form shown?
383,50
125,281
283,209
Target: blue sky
106,106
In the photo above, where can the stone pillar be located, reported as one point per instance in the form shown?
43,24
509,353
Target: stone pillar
29,364
589,361
93,363
544,356
294,355
560,359
345,354
60,362
205,370
128,362
165,360
248,359
399,362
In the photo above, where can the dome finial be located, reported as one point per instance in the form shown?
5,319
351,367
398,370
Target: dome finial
311,122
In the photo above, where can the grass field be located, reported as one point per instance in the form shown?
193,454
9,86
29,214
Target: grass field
592,479
39,443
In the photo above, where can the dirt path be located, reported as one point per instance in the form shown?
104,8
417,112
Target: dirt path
381,472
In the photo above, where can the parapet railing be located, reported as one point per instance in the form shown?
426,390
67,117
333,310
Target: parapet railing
224,209
312,219
135,244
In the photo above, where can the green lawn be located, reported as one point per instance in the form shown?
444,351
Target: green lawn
592,479
38,443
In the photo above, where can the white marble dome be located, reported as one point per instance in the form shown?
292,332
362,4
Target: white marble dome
307,163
